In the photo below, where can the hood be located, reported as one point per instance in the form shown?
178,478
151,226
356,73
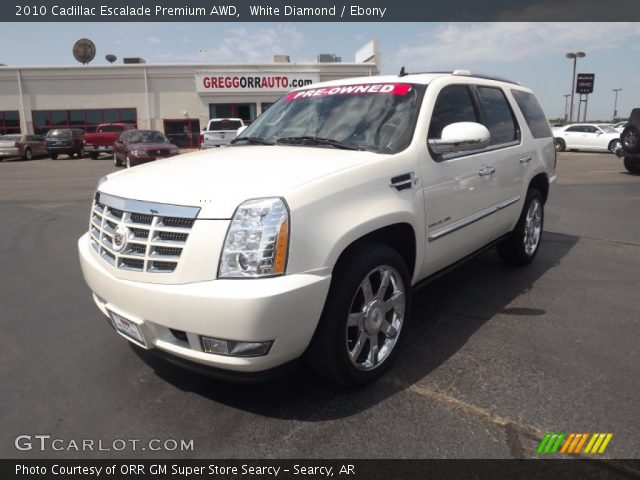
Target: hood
219,180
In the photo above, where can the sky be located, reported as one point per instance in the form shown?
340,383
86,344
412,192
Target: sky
529,52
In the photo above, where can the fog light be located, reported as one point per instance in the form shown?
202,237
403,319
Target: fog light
234,349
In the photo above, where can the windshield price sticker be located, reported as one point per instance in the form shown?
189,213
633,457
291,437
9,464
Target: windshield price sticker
385,88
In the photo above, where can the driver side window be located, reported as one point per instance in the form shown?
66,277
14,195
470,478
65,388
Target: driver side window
453,105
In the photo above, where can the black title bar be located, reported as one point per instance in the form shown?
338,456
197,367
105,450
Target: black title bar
317,11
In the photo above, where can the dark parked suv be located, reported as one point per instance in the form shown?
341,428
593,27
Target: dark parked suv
65,141
630,141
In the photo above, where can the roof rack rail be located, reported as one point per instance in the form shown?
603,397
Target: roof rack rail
463,73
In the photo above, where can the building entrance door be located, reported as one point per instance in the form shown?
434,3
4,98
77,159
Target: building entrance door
183,132
245,111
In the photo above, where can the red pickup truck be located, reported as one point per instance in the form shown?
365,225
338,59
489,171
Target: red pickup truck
102,141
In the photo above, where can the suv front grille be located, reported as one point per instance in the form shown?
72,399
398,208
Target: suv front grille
154,243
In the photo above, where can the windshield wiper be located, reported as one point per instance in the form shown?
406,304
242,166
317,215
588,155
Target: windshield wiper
253,140
309,140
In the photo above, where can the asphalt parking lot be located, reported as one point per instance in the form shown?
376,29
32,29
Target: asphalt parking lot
496,356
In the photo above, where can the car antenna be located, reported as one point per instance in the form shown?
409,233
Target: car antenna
402,72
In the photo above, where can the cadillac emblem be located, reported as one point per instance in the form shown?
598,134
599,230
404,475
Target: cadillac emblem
120,237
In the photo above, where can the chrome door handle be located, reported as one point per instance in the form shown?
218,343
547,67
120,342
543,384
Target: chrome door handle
524,160
486,170
404,181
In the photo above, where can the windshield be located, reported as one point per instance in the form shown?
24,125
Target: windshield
224,125
147,137
375,117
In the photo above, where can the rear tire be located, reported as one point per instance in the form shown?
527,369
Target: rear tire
632,165
28,154
128,162
54,156
614,145
116,162
94,156
630,139
560,145
364,318
522,245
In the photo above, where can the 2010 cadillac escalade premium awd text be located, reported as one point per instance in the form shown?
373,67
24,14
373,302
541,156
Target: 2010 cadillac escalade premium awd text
304,237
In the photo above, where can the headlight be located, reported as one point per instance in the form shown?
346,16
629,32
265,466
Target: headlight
138,153
257,241
102,179
174,152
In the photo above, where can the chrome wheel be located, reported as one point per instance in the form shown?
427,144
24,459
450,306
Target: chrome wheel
375,318
614,145
533,227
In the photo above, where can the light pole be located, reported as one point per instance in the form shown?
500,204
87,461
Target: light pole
615,104
566,107
575,56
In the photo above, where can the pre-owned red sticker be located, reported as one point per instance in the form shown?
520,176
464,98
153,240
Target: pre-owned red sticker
380,88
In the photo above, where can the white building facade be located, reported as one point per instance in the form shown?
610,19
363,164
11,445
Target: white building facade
176,99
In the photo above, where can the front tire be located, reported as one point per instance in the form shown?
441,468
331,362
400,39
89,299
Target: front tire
364,317
54,156
128,162
632,165
94,156
521,246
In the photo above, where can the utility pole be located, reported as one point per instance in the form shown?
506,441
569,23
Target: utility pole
574,56
615,104
566,107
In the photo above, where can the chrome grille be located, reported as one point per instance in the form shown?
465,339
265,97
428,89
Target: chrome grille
154,243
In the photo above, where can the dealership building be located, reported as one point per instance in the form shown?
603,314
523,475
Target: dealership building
176,99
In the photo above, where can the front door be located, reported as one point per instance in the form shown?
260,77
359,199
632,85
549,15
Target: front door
459,189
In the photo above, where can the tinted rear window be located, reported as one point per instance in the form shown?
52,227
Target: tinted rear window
59,134
111,128
533,114
10,138
225,125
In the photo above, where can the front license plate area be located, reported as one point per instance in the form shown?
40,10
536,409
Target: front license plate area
127,328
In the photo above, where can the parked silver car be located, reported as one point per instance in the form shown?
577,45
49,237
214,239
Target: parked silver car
25,146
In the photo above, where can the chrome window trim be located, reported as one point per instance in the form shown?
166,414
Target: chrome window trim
148,208
491,148
454,227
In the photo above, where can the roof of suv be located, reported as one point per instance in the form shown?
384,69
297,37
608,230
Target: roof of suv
420,78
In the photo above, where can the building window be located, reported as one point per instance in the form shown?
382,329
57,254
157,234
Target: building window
245,111
9,122
88,120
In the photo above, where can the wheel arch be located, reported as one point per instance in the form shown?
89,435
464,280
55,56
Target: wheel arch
541,183
399,236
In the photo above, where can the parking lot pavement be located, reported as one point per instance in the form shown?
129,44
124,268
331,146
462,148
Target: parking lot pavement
497,356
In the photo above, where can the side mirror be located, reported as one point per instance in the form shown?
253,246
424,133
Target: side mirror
241,129
460,137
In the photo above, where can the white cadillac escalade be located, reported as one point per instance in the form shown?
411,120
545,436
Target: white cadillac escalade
304,237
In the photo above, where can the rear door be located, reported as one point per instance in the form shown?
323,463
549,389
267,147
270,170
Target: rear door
507,153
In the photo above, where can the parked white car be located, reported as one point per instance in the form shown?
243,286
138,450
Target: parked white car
220,131
587,136
305,237
619,127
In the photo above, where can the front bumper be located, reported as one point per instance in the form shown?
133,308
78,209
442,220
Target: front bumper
283,309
